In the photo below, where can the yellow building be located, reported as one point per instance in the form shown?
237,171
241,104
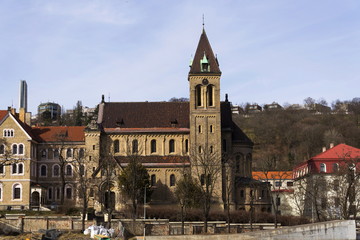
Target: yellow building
167,137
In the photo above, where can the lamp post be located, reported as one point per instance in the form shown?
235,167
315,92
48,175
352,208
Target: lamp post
144,212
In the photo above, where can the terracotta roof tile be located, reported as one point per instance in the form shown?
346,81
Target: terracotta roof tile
60,133
341,151
272,175
3,114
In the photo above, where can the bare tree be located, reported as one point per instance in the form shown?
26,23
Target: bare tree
344,190
206,164
7,156
65,156
230,166
310,193
274,189
107,169
85,181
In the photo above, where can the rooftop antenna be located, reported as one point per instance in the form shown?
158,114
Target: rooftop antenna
203,18
109,96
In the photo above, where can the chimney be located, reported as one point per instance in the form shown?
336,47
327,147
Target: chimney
22,114
331,145
323,149
12,110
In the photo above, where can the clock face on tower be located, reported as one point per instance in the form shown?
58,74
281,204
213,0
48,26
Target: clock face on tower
205,81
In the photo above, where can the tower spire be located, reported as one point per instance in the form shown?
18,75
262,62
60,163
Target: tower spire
203,18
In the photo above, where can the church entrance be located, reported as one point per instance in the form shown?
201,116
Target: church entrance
35,199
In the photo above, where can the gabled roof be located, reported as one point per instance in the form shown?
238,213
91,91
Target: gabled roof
2,114
60,133
341,151
282,175
144,114
204,47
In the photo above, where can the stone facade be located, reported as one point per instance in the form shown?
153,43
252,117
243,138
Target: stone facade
165,136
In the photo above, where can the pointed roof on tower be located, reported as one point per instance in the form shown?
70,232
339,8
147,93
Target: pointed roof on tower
204,55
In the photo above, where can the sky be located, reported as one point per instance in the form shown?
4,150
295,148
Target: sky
269,51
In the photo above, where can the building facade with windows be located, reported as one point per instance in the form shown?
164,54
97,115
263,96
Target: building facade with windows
327,185
31,162
165,136
281,188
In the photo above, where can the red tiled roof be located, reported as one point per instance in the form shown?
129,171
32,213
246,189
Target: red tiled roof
58,134
341,151
272,175
3,114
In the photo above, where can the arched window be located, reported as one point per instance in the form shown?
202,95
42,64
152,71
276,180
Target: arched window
200,149
172,180
14,149
2,169
186,145
135,146
237,163
322,167
21,149
1,192
248,164
50,193
172,146
153,146
56,170
68,170
82,170
2,149
224,145
43,171
211,128
17,191
202,179
57,193
14,168
68,153
198,95
199,127
210,95
116,146
81,153
335,167
211,149
20,168
68,192
153,180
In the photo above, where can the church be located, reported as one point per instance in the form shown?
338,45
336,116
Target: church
166,137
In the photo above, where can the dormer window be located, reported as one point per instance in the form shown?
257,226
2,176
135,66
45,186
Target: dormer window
204,63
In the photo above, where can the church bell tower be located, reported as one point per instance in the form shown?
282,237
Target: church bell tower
205,114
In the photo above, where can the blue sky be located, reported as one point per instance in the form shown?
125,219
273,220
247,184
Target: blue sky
275,50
